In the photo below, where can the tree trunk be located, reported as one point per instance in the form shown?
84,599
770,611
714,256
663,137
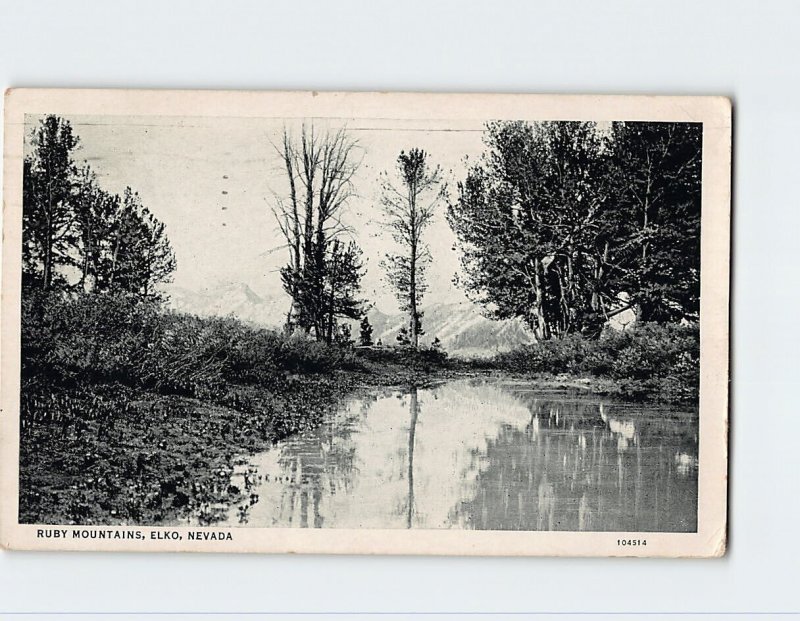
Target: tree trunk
542,330
412,198
331,314
412,302
646,208
85,268
47,271
47,268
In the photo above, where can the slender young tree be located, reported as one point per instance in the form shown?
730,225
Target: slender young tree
409,199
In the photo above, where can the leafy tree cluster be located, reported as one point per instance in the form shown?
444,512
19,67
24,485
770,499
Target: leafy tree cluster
565,224
70,225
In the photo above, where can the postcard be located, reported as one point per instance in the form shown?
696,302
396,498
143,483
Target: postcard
365,323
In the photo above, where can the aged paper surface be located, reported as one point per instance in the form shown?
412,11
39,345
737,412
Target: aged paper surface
384,323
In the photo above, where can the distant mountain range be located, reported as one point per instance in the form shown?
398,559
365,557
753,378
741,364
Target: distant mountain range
236,299
459,326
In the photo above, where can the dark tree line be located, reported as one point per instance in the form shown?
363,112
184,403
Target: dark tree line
564,224
75,235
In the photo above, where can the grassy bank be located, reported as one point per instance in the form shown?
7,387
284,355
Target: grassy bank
130,414
651,362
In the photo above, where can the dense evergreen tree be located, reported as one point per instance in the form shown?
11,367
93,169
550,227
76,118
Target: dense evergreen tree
48,223
139,255
95,213
342,283
365,332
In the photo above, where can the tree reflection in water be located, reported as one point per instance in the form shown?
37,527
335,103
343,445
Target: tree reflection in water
413,407
583,466
485,454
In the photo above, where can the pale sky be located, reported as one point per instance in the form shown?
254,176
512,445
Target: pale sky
212,181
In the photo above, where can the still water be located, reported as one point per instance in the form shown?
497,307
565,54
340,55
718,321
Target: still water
482,454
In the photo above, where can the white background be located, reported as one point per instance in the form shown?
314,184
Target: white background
749,51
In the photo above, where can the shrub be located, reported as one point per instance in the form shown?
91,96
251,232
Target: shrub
554,356
300,354
651,359
425,357
651,351
120,338
88,336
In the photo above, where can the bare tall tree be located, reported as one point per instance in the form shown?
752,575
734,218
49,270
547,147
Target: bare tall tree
409,200
319,168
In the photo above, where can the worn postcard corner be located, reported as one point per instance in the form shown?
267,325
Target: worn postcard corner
379,323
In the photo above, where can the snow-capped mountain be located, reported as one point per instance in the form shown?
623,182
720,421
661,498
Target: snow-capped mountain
230,299
460,327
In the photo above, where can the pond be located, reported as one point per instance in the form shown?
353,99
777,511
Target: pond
480,454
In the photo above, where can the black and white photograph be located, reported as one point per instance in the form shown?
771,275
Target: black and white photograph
383,310
230,323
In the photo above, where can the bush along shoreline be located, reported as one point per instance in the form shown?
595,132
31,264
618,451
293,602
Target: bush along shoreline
649,362
133,414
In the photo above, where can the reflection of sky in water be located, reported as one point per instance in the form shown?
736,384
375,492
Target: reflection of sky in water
483,454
